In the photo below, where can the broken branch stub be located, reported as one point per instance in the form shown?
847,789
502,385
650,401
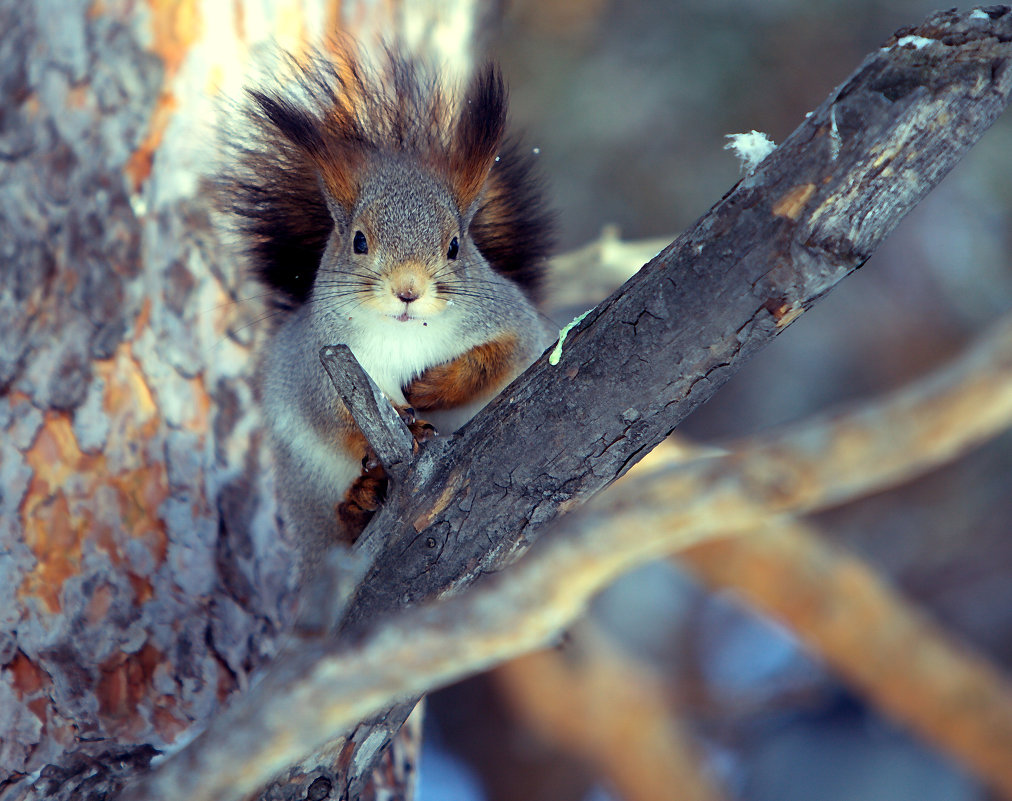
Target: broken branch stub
371,410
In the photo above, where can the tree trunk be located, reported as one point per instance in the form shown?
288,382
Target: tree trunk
141,574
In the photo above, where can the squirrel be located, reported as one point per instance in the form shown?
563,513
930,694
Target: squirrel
383,212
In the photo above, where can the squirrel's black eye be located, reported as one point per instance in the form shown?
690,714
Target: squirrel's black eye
360,245
451,252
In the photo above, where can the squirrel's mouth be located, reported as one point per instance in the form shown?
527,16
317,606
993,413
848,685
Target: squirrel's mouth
416,310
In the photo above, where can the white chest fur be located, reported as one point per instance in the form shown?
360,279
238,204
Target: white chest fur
299,401
394,352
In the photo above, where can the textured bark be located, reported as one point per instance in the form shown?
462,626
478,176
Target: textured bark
142,579
141,576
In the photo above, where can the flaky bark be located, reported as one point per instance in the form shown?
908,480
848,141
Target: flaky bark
142,578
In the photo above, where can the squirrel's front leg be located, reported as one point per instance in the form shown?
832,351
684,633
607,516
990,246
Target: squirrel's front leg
367,492
476,374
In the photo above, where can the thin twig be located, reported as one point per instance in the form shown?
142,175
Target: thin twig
371,410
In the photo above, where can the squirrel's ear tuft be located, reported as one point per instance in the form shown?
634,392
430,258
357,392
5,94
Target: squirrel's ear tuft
477,135
297,124
513,226
339,173
338,162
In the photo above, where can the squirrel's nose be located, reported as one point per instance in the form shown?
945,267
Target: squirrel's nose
407,281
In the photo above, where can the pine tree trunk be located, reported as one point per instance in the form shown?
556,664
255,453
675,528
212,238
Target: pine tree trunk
142,576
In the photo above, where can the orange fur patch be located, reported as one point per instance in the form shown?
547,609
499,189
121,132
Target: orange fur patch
341,174
368,491
353,441
477,373
360,503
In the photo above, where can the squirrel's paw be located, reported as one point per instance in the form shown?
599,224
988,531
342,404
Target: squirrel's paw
420,429
362,500
369,490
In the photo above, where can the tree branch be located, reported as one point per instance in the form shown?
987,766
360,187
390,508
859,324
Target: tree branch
879,644
383,429
327,686
808,215
811,213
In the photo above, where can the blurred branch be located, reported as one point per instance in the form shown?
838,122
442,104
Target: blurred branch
581,277
889,652
834,602
594,702
325,687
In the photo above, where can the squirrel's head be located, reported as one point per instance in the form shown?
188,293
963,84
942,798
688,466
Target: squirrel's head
402,182
402,249
381,185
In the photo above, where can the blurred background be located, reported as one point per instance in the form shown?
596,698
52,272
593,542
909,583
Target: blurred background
629,104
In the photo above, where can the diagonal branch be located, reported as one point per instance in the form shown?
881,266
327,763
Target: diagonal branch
325,687
879,643
812,212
